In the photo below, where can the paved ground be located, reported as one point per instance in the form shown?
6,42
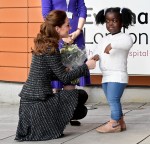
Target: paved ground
137,117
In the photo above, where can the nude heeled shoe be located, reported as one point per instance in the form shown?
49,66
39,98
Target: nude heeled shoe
122,123
110,127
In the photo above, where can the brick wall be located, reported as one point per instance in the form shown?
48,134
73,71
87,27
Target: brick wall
19,24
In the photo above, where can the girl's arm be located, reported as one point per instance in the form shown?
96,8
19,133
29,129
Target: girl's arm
123,42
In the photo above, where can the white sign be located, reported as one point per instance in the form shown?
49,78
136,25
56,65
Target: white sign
139,56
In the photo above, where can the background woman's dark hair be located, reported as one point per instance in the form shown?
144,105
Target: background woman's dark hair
127,16
48,37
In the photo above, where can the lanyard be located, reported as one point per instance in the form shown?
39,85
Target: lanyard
67,2
69,14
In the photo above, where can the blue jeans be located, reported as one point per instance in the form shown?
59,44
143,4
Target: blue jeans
113,92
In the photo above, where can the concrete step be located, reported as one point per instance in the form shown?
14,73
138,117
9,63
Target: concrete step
9,93
131,94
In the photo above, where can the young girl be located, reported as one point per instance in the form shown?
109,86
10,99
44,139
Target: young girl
114,49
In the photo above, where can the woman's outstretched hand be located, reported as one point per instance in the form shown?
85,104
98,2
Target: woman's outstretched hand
96,57
91,63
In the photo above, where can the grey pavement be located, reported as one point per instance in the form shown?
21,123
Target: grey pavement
137,117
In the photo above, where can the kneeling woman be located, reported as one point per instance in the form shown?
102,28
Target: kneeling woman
42,114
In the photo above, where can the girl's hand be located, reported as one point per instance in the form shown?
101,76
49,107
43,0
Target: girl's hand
107,49
96,57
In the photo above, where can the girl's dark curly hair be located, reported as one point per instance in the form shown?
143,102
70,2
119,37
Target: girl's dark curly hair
47,39
127,16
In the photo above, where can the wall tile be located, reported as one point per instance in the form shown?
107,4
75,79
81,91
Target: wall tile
13,74
13,3
13,44
35,15
13,15
34,3
33,29
29,59
30,44
13,59
13,29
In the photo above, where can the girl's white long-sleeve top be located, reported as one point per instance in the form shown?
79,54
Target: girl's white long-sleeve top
114,65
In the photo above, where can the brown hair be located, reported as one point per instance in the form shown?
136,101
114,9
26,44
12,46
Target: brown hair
47,39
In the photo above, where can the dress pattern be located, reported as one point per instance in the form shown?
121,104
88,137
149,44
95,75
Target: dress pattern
42,114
